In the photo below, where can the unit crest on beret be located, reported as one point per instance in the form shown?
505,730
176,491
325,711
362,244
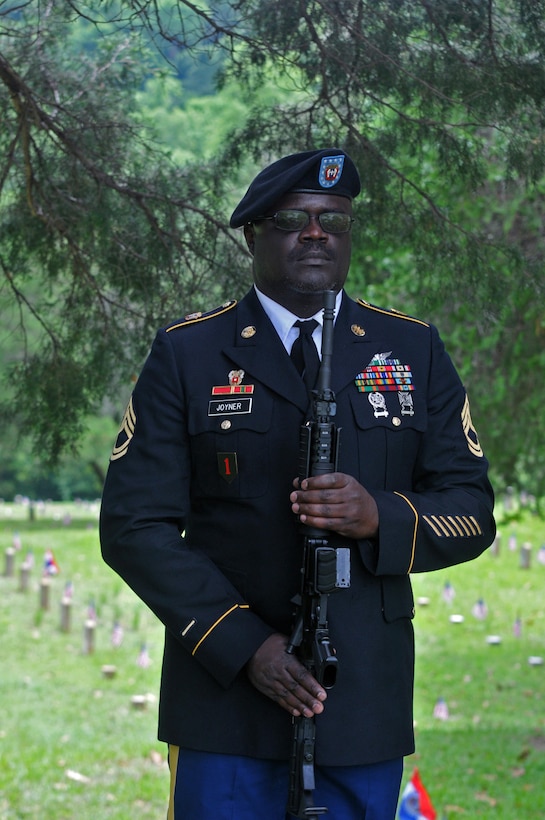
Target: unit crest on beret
199,316
321,171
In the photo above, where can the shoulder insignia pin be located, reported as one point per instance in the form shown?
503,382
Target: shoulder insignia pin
199,316
391,312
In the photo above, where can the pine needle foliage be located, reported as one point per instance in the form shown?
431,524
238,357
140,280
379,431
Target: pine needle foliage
440,104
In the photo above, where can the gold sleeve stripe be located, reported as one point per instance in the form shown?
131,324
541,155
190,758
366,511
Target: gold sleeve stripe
476,524
463,522
215,624
448,525
430,523
439,521
455,524
463,526
413,547
470,526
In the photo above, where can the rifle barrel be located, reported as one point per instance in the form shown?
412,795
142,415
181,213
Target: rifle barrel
324,374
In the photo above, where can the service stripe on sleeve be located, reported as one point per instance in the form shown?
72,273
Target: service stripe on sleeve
476,523
453,526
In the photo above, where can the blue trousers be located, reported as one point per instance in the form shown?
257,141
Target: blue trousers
205,786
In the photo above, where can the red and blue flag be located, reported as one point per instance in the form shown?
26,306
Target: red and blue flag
415,801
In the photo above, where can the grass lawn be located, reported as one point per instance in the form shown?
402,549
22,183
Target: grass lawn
73,745
487,759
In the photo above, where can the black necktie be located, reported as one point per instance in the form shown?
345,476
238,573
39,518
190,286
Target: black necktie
304,354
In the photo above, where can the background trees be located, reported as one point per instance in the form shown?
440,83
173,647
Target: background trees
119,170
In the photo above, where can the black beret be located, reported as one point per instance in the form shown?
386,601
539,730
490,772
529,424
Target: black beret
327,171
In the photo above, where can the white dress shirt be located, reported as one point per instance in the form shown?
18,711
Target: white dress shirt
283,320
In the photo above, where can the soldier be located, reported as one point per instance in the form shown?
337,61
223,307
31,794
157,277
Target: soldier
201,504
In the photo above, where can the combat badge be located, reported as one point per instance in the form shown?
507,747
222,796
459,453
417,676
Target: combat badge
379,404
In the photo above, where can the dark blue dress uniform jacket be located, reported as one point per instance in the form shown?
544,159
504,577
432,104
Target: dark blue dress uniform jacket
196,518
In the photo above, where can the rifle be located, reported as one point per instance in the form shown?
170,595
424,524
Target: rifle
325,569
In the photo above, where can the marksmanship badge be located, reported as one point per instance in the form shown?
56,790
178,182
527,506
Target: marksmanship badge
406,402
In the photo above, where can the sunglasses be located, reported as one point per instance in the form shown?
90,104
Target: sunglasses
292,220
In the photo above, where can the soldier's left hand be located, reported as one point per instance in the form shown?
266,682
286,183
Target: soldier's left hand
338,502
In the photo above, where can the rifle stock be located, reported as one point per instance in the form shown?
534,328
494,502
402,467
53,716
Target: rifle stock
325,569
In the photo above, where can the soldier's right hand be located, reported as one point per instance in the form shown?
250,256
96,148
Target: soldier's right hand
284,679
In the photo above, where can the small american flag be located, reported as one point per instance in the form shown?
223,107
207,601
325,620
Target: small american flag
440,710
448,592
480,610
50,565
117,634
143,658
